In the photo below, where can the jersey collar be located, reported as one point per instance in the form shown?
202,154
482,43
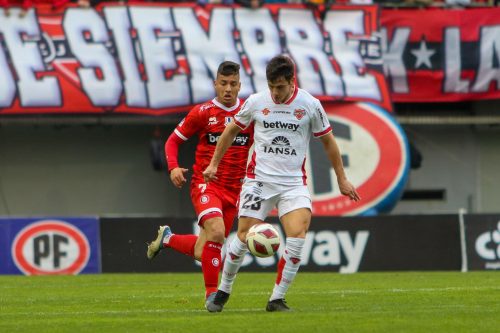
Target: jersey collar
290,99
225,108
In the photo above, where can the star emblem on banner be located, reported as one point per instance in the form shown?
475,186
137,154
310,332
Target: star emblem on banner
423,55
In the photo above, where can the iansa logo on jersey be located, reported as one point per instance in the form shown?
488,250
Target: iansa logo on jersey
50,247
280,145
281,141
376,160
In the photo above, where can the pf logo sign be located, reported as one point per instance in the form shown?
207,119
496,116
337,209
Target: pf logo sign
50,247
375,156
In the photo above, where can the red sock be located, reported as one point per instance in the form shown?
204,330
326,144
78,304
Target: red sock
281,265
183,243
210,265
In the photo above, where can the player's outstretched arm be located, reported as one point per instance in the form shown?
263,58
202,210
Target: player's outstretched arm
224,142
333,152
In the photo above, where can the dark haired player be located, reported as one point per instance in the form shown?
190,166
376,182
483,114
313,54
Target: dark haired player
284,117
215,203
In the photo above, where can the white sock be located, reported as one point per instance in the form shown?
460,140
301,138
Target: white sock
288,267
234,258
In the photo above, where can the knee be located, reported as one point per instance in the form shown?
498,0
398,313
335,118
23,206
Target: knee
215,230
242,235
297,233
243,226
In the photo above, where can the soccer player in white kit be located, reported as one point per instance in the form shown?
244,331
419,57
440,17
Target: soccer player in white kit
284,117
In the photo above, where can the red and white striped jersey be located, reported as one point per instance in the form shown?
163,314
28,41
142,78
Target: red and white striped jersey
281,135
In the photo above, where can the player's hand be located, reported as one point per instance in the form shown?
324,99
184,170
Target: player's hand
347,189
177,176
209,173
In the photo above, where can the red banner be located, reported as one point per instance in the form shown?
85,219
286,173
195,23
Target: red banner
159,59
441,54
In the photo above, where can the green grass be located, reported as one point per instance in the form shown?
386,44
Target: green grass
321,302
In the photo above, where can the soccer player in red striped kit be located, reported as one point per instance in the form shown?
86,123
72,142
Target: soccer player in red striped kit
215,203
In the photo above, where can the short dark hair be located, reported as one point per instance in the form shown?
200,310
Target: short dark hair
228,68
280,66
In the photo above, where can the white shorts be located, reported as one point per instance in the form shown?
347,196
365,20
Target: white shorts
257,198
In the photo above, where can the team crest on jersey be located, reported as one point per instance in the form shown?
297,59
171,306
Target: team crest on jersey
265,111
212,121
227,120
204,199
299,113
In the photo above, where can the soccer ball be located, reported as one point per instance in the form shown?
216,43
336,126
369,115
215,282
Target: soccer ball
263,240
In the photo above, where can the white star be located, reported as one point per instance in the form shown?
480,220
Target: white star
423,55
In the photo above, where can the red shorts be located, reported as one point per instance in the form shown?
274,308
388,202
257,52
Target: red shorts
210,200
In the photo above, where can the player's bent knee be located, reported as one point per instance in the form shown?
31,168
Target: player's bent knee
242,235
244,224
216,236
215,230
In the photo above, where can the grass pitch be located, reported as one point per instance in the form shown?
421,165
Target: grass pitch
321,302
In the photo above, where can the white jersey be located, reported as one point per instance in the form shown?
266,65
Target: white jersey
281,135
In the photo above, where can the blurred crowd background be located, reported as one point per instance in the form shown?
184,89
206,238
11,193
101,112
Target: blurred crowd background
57,4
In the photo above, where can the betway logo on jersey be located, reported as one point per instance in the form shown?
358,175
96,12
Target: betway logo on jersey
281,125
241,139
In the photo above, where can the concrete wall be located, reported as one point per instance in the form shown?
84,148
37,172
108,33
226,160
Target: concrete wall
81,170
489,171
462,160
100,170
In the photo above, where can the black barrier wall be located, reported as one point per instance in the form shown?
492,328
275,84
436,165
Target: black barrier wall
346,245
123,245
482,241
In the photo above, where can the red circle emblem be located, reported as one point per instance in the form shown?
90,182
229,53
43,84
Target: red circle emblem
381,169
75,241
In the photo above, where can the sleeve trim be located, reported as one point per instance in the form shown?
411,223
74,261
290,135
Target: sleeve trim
326,131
